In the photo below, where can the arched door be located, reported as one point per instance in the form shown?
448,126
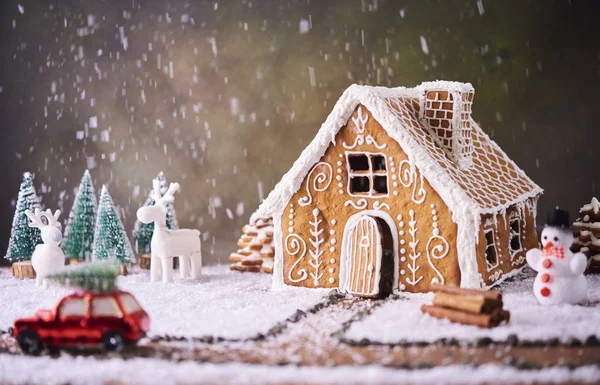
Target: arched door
363,257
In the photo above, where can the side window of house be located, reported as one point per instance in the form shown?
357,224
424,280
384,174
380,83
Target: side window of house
491,255
105,307
515,233
73,307
367,174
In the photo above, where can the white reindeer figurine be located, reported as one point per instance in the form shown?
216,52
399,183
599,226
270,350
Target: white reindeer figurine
166,244
48,257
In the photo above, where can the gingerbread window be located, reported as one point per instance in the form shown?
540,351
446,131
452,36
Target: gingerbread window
515,233
367,174
491,255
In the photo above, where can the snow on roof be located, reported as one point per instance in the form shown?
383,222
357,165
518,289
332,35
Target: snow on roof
493,182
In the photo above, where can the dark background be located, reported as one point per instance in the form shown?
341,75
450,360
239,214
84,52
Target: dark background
223,96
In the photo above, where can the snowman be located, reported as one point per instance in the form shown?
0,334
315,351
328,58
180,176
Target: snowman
560,276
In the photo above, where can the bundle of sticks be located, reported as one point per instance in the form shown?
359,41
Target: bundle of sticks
467,306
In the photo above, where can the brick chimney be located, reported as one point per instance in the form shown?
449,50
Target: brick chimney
446,112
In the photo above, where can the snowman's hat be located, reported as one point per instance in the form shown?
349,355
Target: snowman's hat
558,218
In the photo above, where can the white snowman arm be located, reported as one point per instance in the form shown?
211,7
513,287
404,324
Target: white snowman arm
534,256
578,264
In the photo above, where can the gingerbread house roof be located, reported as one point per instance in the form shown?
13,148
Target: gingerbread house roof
490,182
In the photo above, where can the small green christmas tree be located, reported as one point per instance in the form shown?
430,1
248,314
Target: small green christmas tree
79,233
110,240
23,238
94,277
142,232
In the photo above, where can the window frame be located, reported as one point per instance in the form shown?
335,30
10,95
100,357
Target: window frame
490,266
514,217
370,174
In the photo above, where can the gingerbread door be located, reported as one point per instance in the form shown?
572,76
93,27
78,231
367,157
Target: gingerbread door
363,252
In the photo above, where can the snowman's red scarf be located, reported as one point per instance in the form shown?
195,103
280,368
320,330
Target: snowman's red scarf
554,251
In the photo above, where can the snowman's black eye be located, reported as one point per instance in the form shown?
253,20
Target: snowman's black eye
555,239
545,237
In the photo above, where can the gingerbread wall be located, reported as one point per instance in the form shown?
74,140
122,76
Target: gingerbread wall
314,220
508,259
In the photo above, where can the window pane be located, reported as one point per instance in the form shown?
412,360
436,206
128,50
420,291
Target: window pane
105,307
130,305
490,249
359,184
378,163
73,307
380,184
358,162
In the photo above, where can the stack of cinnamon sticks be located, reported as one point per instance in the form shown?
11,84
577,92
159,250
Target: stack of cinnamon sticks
467,306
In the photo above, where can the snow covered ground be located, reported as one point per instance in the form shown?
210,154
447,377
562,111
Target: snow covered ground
89,371
402,320
221,304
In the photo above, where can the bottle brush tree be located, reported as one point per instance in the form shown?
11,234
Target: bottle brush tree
79,232
93,277
23,238
110,239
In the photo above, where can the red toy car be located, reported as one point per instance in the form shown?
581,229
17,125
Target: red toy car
84,319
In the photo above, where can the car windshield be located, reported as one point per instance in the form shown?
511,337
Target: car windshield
130,304
73,307
105,307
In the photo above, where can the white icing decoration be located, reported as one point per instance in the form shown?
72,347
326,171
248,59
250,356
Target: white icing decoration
380,206
315,252
339,163
298,246
332,232
411,177
331,280
322,178
332,241
331,270
333,221
359,205
414,254
290,229
395,193
371,173
332,260
332,249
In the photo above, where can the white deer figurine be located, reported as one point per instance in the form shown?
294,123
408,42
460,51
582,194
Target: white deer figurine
48,257
166,244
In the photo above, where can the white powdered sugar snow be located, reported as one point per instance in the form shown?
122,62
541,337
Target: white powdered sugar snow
221,303
90,371
402,320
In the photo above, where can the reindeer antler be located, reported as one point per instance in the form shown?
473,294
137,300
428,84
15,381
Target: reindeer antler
36,218
168,197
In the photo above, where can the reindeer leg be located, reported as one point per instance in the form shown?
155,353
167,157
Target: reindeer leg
38,280
184,264
155,268
196,262
167,269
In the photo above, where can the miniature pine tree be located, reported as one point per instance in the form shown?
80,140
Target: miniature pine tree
142,232
23,238
110,239
79,233
93,277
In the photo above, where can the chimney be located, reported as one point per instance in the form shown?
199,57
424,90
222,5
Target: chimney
446,112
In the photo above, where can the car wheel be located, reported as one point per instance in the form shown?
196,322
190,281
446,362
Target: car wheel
113,341
30,342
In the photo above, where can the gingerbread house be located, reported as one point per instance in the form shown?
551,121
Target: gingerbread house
401,189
